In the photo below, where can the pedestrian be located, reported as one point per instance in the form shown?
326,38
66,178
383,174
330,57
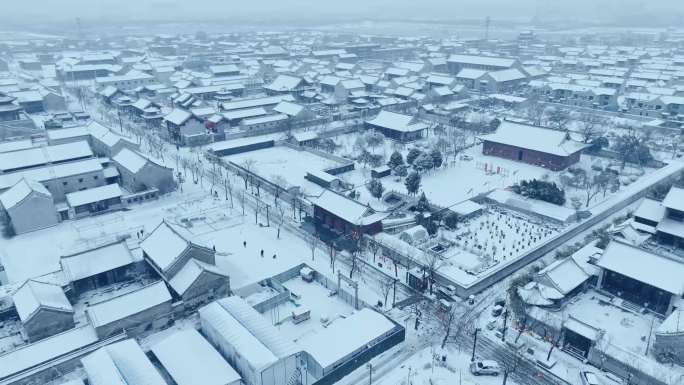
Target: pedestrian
262,253
274,257
214,247
244,244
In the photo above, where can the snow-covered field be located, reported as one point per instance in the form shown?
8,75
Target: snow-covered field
483,242
283,162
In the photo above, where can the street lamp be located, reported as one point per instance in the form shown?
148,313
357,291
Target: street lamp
472,357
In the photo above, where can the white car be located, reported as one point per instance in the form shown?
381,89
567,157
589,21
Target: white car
589,378
486,367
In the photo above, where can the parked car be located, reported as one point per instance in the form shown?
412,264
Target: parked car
589,378
485,367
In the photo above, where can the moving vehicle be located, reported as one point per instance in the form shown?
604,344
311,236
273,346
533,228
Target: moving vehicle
589,378
485,367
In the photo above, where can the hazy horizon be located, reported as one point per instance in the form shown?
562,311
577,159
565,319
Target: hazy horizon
613,12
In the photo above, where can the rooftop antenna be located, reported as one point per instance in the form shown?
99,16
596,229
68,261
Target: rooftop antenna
487,23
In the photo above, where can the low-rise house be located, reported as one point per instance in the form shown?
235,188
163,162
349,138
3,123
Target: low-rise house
283,84
250,343
41,156
127,81
140,173
344,215
191,360
133,312
539,146
403,128
39,362
267,123
43,309
121,363
224,70
657,288
60,179
184,128
94,200
9,110
266,103
456,63
29,207
98,267
294,111
187,267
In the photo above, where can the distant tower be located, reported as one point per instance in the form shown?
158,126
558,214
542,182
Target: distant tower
487,22
79,29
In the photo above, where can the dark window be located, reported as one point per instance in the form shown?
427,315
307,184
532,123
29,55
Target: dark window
65,183
80,180
95,177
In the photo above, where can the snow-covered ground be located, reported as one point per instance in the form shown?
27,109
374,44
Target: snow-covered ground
427,368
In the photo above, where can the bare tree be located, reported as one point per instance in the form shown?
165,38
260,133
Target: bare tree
591,187
185,164
535,110
590,127
228,187
457,140
510,366
242,199
386,285
433,262
373,247
313,241
559,118
279,218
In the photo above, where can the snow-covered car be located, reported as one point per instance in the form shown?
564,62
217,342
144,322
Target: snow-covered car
589,378
485,367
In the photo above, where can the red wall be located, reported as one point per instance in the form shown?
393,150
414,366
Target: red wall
537,158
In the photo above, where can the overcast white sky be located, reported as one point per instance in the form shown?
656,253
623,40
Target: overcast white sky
117,10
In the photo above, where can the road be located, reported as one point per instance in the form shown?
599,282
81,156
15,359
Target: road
526,373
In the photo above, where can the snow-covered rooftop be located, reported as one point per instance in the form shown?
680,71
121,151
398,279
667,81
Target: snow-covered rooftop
20,191
534,138
130,160
644,266
121,363
164,244
95,261
397,122
34,295
92,195
675,199
126,305
191,360
45,350
43,155
346,336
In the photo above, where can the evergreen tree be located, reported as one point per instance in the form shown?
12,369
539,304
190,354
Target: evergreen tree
395,160
376,188
412,183
437,158
412,155
422,205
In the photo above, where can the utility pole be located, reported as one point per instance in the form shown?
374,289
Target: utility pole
650,331
472,357
370,373
488,21
503,333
